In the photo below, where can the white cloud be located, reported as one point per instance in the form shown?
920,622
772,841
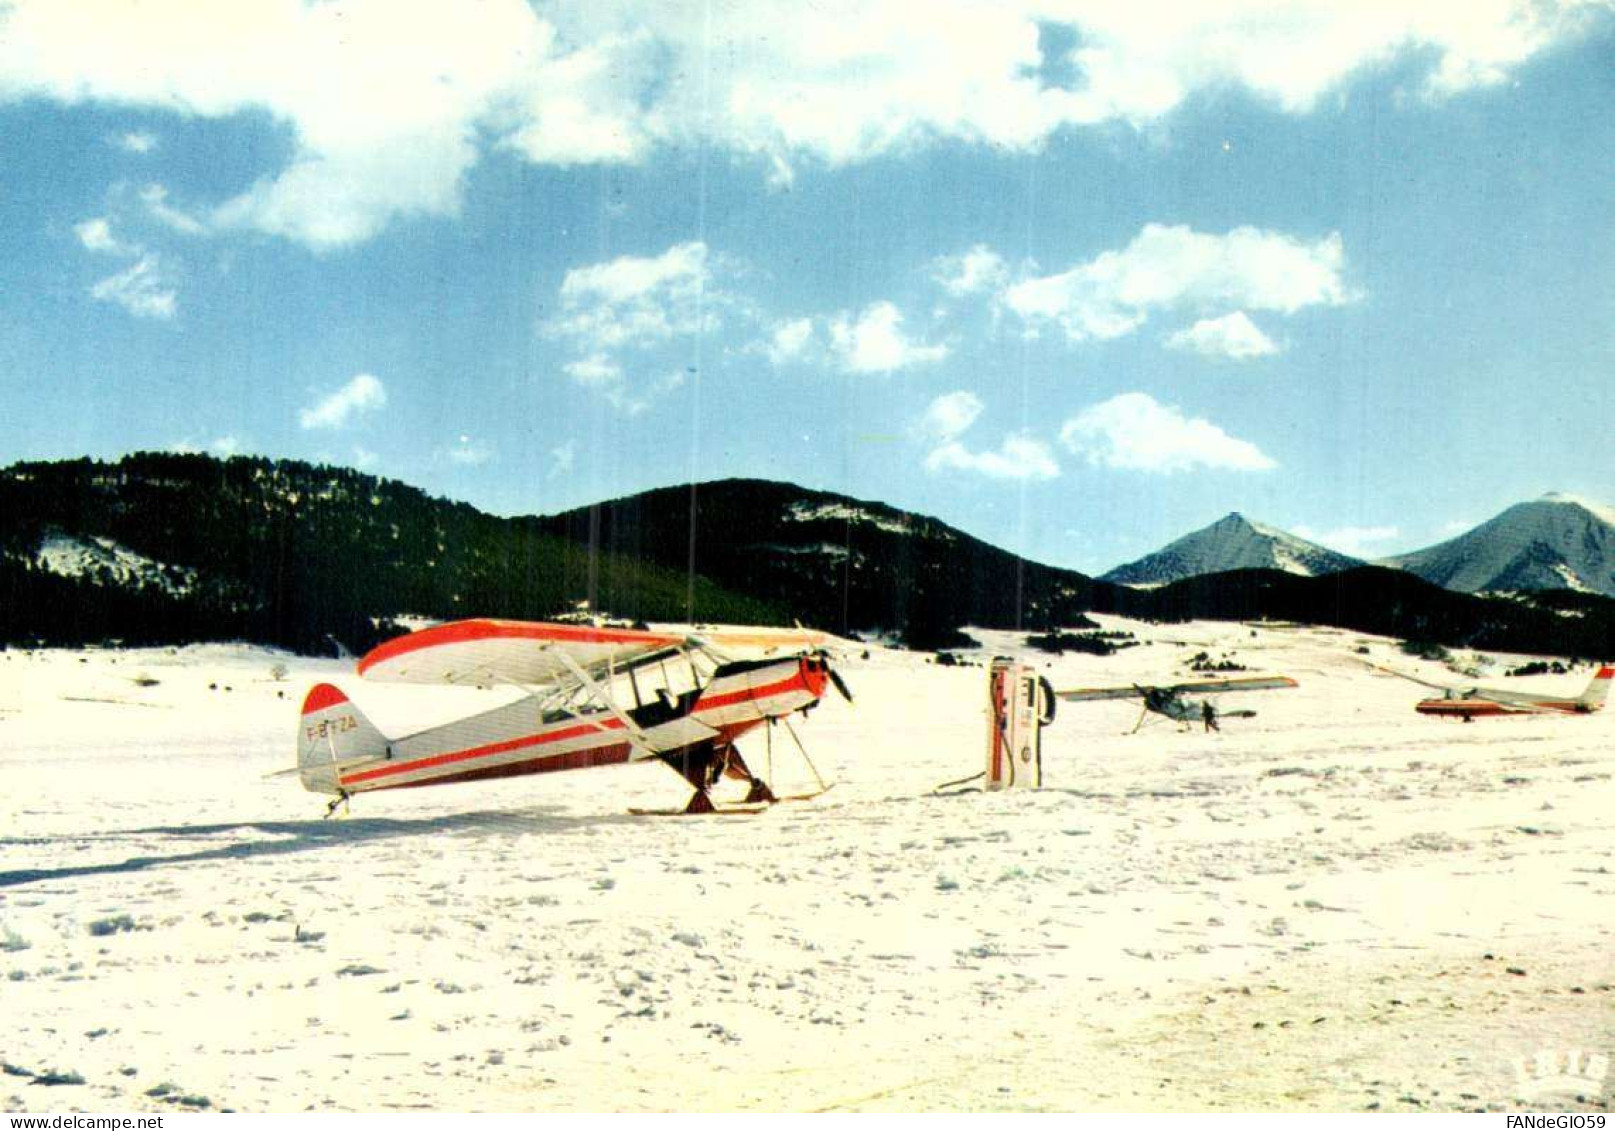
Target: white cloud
333,201
630,278
595,369
1132,431
875,343
638,300
1143,59
786,82
636,303
96,235
1355,541
467,452
1170,266
585,107
137,142
1019,457
223,446
950,415
155,198
612,381
979,269
1233,336
364,393
635,400
789,340
363,457
780,174
143,290
390,105
383,100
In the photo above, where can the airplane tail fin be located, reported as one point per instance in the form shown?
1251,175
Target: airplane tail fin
334,737
1597,693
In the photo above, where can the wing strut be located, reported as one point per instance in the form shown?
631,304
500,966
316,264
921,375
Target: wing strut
792,732
600,696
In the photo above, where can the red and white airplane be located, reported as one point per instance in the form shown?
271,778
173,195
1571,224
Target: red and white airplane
595,697
1471,703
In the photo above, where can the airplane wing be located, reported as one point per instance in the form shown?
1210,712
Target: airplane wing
529,653
1423,682
1239,683
767,638
1204,687
1088,694
1516,700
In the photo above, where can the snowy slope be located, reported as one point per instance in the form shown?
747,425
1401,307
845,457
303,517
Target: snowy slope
103,558
1234,542
1555,542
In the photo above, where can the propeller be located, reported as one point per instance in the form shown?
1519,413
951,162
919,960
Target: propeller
835,678
840,684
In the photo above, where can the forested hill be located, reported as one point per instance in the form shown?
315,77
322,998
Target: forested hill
171,548
844,564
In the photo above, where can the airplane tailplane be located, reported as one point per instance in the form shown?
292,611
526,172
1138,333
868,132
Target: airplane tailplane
1597,693
333,738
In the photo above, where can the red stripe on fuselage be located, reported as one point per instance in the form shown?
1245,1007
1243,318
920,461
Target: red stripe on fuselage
606,723
1485,708
1462,708
795,682
587,758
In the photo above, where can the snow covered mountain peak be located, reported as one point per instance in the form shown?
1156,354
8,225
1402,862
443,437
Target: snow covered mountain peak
1597,510
1232,542
1559,541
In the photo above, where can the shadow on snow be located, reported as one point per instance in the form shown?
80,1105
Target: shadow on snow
302,836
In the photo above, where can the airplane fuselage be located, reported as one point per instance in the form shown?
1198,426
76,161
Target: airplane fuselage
1467,709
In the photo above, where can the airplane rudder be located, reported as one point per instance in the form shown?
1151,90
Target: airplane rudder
1597,692
332,733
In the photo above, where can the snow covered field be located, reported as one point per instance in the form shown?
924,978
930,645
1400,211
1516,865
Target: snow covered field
1339,904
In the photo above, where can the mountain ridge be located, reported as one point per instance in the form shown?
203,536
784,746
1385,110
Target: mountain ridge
1557,541
847,564
1232,542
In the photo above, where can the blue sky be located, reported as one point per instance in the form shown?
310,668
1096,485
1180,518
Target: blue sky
1075,277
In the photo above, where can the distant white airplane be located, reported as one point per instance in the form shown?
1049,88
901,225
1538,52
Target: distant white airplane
1170,702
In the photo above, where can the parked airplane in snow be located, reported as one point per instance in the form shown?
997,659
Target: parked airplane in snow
1471,703
596,696
1170,702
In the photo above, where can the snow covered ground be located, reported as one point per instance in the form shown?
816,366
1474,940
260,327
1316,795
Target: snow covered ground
1339,904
